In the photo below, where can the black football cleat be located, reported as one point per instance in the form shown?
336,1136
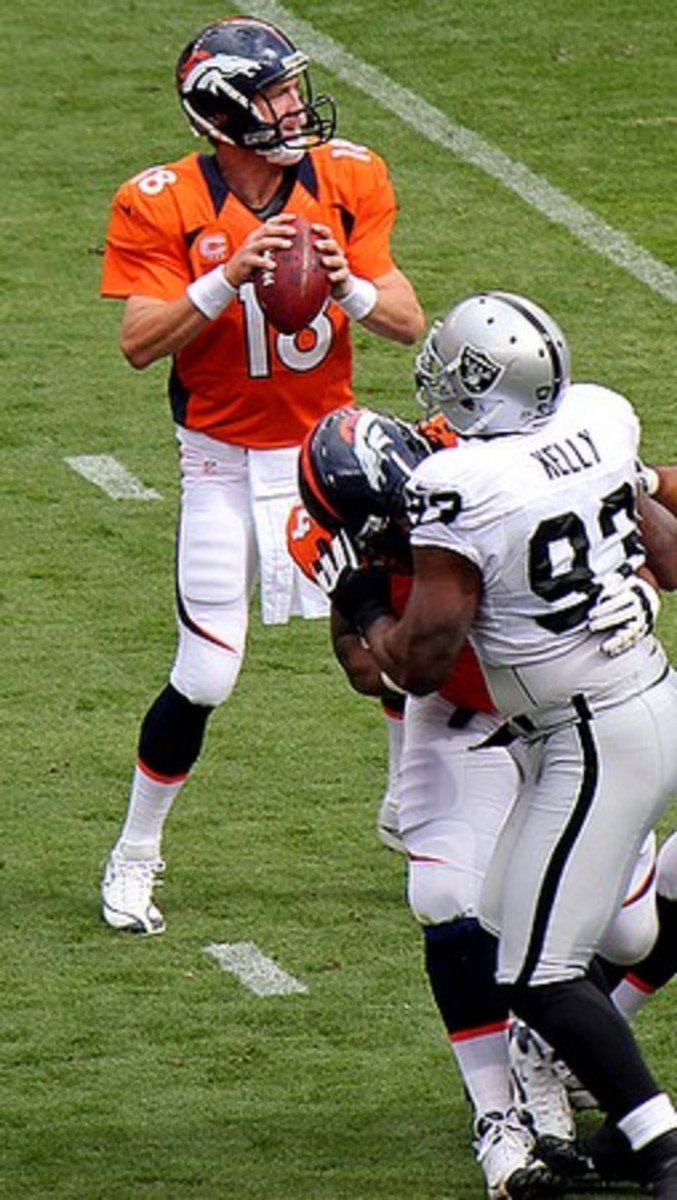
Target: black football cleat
611,1155
658,1165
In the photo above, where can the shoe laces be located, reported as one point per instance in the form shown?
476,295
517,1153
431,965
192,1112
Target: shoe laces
492,1128
137,877
541,1091
149,867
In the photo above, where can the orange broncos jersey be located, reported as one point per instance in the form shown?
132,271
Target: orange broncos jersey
240,380
465,687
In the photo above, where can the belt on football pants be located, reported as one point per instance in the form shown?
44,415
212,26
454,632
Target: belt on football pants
461,717
579,708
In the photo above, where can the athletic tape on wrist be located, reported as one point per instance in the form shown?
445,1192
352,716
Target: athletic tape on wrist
652,481
211,293
361,298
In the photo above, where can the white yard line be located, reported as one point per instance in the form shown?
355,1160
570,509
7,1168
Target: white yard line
432,124
110,475
257,972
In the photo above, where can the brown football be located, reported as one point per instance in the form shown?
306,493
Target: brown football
292,292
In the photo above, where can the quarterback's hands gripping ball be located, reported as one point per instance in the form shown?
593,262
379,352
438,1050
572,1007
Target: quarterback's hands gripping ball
293,287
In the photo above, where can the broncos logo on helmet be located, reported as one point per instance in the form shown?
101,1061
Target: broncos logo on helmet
352,470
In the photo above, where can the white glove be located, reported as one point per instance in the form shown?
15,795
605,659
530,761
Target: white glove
628,608
648,479
337,556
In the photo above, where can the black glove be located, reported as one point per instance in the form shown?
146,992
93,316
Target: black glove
360,593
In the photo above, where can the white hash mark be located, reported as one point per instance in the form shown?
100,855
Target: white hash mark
257,972
110,475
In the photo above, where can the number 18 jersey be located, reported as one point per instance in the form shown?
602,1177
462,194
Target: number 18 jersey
239,380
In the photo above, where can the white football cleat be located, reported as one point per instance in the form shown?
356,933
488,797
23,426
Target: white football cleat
580,1098
127,893
388,824
541,1096
504,1148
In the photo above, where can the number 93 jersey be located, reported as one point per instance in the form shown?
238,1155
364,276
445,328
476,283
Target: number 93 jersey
545,516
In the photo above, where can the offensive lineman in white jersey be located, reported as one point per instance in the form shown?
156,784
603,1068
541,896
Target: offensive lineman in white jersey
515,533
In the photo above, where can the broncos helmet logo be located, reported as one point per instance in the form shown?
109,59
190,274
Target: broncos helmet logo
374,449
209,74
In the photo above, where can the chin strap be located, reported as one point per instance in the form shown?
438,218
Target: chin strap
282,156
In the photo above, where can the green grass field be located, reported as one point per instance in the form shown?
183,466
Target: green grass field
139,1069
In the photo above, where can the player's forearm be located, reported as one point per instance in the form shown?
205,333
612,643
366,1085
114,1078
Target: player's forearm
659,535
153,329
397,314
355,657
666,494
414,663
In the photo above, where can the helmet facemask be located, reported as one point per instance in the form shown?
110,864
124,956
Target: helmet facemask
432,373
385,540
286,138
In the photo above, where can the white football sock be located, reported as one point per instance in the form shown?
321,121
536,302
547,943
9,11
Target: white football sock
484,1063
149,803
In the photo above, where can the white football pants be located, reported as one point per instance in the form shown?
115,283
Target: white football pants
231,533
452,803
565,857
216,569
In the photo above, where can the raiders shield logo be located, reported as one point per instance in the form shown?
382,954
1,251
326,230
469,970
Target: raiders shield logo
477,371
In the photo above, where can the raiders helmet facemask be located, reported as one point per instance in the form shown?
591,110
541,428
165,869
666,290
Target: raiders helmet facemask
495,364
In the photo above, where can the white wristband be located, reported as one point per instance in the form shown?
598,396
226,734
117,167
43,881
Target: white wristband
211,293
361,298
653,480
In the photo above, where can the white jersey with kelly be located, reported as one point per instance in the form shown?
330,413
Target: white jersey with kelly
545,516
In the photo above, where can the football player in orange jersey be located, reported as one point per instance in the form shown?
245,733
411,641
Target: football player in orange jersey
353,468
182,244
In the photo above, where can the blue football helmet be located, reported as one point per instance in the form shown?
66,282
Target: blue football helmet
221,78
352,470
